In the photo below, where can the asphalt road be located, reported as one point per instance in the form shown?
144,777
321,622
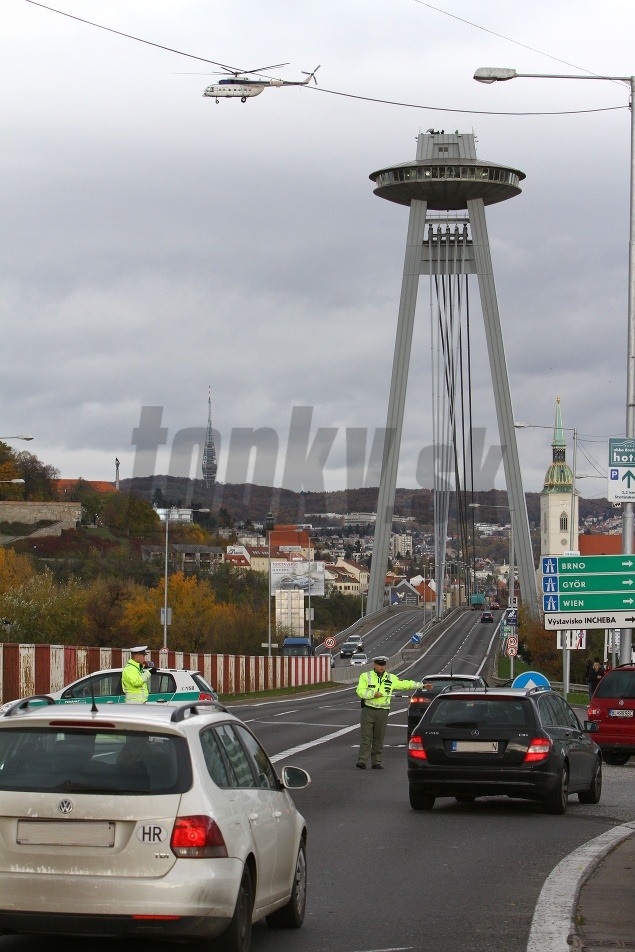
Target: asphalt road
381,877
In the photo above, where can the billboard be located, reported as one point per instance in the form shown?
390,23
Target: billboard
306,577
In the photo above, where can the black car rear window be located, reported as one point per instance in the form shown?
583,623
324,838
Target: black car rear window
93,761
617,684
502,712
440,684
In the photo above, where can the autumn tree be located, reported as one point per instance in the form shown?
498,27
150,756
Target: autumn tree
15,570
128,514
39,478
104,613
42,612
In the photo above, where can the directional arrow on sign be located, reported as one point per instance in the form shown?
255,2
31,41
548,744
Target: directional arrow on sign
628,476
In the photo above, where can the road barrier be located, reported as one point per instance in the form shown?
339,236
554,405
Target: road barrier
39,669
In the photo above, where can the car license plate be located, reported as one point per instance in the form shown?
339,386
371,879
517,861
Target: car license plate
620,712
65,833
475,746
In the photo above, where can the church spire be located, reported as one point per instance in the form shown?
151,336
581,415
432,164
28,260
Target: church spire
559,477
210,464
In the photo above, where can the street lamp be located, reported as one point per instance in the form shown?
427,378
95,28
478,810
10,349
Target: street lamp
21,436
171,514
11,481
489,74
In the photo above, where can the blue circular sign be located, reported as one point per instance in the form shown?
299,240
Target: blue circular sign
531,679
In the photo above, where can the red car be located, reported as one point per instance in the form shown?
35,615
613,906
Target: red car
612,708
495,606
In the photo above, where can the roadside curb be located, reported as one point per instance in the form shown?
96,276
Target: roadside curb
553,926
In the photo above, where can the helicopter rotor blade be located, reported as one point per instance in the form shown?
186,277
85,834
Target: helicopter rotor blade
261,69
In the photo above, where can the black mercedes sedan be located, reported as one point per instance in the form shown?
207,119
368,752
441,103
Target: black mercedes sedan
519,743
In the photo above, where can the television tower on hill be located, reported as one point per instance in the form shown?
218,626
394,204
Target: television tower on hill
210,464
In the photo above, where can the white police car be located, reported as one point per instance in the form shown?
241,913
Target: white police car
168,686
145,821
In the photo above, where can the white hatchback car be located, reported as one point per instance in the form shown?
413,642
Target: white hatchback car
145,821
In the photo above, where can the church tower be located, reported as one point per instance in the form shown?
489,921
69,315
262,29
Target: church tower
558,499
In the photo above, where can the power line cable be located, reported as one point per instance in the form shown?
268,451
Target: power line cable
320,89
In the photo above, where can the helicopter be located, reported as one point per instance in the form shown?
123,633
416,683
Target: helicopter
241,84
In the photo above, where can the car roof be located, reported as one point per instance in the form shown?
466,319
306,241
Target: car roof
452,677
488,694
150,715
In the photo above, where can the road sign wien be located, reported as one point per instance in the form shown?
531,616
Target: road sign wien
530,679
580,619
607,601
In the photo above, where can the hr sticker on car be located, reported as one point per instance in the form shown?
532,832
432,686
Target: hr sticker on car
151,833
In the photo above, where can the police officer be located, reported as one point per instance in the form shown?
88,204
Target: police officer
135,676
375,688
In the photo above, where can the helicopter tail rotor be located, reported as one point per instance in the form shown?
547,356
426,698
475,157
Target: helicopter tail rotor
310,76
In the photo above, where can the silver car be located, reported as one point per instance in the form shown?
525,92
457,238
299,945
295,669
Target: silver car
138,820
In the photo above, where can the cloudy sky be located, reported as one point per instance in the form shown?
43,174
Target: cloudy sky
155,243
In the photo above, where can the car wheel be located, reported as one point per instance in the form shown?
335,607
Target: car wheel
237,938
465,799
558,799
616,760
593,794
420,801
291,916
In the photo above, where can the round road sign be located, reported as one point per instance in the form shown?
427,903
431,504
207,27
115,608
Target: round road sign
329,642
512,641
511,651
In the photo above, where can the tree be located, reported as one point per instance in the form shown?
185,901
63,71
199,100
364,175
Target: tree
91,500
41,612
129,515
15,570
192,603
104,611
39,479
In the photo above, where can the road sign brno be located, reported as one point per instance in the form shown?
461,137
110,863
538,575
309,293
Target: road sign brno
512,642
329,642
511,651
586,564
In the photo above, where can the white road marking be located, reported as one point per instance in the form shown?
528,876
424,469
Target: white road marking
552,922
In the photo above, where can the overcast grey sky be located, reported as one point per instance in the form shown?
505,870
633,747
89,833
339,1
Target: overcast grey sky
155,243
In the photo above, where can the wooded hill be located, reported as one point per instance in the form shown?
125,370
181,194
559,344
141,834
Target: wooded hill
246,501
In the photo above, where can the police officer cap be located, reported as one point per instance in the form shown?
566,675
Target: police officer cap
139,649
381,659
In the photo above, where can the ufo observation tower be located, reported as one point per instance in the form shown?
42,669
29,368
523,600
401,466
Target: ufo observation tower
447,189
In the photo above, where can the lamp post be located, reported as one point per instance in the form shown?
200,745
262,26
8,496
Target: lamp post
11,481
21,436
171,514
490,74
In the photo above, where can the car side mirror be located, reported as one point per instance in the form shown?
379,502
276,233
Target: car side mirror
295,778
591,727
